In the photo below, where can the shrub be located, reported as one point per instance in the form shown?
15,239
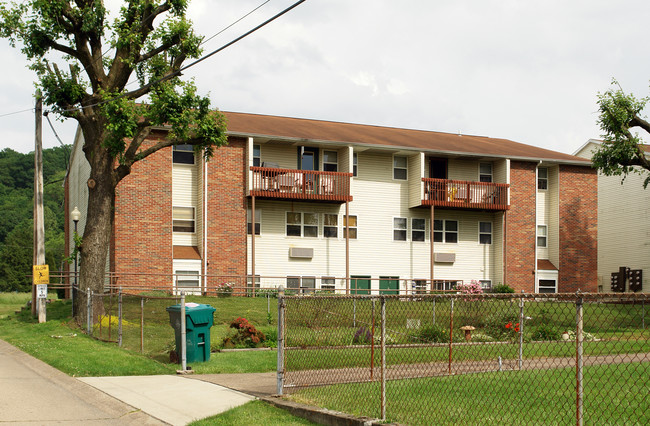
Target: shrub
362,337
502,288
224,289
474,287
546,332
245,335
495,324
433,334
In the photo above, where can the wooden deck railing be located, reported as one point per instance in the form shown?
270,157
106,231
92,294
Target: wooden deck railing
300,184
465,194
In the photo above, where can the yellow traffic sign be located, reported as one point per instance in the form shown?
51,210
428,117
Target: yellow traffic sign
41,274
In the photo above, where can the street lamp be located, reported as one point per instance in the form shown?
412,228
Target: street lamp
75,215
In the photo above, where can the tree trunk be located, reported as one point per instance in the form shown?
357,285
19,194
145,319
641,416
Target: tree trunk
97,234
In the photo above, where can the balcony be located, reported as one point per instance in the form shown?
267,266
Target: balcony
308,185
465,194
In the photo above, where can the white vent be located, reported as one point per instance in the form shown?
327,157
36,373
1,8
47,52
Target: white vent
444,257
301,252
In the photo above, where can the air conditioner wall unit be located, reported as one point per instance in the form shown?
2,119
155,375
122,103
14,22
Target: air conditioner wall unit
301,252
444,257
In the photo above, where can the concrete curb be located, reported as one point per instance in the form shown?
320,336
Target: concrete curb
321,416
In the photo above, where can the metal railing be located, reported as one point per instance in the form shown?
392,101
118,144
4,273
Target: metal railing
465,194
469,359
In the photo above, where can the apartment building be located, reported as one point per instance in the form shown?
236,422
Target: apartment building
624,229
312,205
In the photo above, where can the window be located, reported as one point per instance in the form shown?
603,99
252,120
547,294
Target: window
444,284
302,284
419,286
547,286
399,167
445,231
330,161
330,225
183,219
293,283
541,236
399,228
486,285
353,227
542,178
183,154
418,229
355,163
485,232
328,283
257,155
187,279
258,220
485,172
302,224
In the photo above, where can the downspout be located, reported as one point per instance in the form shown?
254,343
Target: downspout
205,226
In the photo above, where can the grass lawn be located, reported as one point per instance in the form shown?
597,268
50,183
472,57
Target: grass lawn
253,413
614,394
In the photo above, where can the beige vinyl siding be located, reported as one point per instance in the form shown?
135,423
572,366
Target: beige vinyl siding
497,248
377,200
543,219
285,156
462,169
415,175
553,198
185,194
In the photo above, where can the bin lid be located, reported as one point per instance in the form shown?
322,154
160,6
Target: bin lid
197,313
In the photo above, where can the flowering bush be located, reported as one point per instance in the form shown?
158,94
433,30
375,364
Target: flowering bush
512,329
224,289
474,287
245,335
362,336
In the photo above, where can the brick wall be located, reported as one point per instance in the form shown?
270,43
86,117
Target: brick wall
142,236
520,232
578,229
227,205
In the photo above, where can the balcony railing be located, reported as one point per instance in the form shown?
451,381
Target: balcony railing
300,184
465,194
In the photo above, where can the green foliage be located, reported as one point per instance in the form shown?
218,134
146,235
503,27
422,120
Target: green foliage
502,288
546,332
433,334
622,151
245,335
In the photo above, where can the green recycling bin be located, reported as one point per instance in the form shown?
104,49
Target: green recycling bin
198,320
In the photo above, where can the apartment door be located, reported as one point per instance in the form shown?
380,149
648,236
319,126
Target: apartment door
360,284
388,285
438,168
308,160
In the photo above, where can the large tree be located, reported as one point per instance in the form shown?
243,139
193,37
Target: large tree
622,151
148,40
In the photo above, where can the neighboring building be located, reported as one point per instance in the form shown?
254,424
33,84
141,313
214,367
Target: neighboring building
502,212
623,229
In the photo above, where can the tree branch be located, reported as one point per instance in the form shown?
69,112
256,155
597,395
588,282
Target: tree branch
640,122
157,50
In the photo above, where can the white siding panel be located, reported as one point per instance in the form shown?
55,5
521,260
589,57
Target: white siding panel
553,214
462,169
415,175
185,194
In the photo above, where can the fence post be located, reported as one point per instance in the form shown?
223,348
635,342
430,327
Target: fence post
89,311
383,357
372,342
119,318
451,331
579,361
521,332
142,324
183,334
280,361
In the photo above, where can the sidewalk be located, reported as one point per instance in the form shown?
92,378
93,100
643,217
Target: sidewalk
32,392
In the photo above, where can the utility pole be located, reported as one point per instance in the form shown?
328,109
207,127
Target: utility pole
39,227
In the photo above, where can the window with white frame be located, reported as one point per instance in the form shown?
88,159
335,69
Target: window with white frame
355,164
485,232
485,172
330,225
293,283
399,228
444,284
302,224
547,286
301,284
258,221
187,279
257,155
486,285
418,229
541,236
542,178
419,286
183,154
352,223
183,219
328,283
330,161
445,231
400,167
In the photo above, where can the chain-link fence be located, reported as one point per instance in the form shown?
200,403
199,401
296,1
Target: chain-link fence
469,359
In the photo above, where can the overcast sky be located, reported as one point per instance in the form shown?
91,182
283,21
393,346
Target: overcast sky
520,70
